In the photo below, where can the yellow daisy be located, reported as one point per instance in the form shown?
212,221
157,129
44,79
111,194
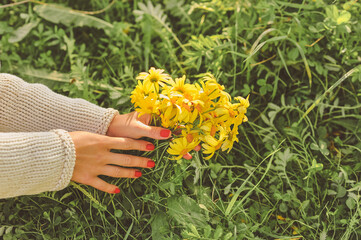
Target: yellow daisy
148,104
180,146
154,78
191,134
230,139
186,90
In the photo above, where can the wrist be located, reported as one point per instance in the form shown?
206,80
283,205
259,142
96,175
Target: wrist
111,131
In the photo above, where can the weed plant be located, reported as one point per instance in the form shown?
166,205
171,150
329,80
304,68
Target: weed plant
295,173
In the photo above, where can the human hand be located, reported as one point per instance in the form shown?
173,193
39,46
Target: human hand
93,158
131,126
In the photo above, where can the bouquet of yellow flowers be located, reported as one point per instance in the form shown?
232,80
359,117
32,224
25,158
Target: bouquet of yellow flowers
200,113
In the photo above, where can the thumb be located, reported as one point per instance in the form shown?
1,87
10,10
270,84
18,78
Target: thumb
154,132
103,186
145,118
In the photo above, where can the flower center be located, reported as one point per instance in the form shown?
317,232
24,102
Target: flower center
213,130
153,79
190,138
218,146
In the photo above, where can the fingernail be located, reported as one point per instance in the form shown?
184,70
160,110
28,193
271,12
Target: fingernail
138,174
165,133
151,163
149,147
197,148
117,190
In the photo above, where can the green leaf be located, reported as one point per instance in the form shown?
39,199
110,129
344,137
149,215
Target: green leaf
333,12
274,106
315,166
65,196
323,235
4,27
216,167
118,213
341,192
218,233
263,90
194,230
246,89
160,226
186,211
283,207
207,231
344,17
20,33
69,17
305,204
350,203
293,54
314,146
227,236
261,82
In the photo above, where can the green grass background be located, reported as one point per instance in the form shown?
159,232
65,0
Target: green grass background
295,172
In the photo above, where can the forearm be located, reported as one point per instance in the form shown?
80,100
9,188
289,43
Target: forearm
28,107
31,163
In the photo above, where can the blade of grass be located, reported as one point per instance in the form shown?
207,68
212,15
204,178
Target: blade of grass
319,99
241,188
304,59
284,63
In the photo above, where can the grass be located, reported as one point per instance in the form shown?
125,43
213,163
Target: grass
295,173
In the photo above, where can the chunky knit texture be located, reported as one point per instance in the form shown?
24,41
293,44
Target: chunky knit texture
28,107
33,156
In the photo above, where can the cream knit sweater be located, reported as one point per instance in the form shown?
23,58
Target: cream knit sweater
36,152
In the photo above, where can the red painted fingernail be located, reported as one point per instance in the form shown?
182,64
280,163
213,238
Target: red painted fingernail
149,147
117,190
197,148
165,133
138,173
151,163
187,156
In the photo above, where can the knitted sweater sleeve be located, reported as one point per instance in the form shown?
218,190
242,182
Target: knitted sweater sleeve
35,162
33,156
28,107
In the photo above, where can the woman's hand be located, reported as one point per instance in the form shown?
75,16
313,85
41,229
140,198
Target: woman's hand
93,158
131,126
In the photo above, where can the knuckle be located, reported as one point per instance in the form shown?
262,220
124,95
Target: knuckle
109,189
118,172
127,160
143,145
154,132
138,130
130,174
127,144
100,156
138,161
85,179
138,127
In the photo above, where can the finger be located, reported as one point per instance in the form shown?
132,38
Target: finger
103,186
187,156
119,172
197,148
145,118
153,132
128,160
129,144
